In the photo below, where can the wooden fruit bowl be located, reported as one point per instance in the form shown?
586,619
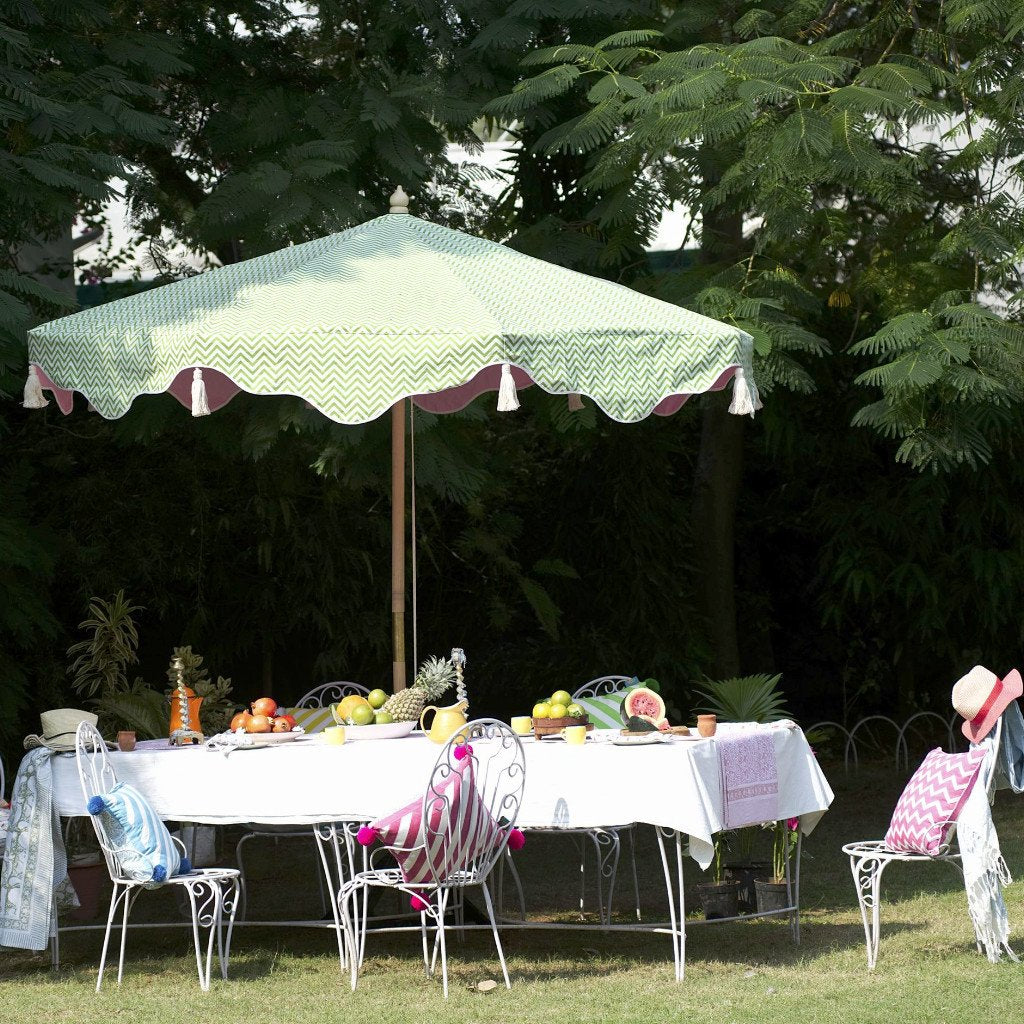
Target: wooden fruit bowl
553,726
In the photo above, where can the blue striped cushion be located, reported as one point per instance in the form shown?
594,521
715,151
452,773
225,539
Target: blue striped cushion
145,850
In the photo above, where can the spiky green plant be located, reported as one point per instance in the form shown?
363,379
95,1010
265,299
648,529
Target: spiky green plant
754,698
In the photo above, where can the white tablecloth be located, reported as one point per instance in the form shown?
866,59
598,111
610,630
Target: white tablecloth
674,785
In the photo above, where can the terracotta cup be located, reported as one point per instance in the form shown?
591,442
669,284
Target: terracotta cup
707,724
126,740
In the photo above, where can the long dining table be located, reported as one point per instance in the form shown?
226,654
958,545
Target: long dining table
673,786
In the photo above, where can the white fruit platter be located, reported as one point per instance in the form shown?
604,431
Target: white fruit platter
241,740
642,739
393,731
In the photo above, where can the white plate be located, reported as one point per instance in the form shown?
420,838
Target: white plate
378,732
266,739
643,740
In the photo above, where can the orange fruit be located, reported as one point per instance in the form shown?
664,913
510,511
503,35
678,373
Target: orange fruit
349,704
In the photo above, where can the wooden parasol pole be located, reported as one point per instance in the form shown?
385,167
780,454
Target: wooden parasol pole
398,415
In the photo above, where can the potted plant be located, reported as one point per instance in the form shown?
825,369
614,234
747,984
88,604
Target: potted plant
719,897
774,893
744,867
755,698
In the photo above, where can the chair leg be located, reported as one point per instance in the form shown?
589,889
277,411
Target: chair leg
128,900
106,935
497,938
207,912
583,873
632,860
54,942
867,878
442,904
426,951
229,903
517,881
244,897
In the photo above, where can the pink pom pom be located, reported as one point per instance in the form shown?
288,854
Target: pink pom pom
365,836
461,751
417,904
516,840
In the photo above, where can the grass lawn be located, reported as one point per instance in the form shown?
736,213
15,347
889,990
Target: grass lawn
928,968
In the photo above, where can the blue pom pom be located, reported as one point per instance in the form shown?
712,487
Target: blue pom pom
159,873
185,867
95,805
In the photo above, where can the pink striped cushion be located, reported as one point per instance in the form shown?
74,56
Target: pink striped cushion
429,855
932,800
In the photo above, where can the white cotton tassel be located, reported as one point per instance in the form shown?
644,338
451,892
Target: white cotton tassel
34,390
200,406
575,402
745,399
507,399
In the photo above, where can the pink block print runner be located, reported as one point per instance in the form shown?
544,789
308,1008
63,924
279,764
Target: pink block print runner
750,777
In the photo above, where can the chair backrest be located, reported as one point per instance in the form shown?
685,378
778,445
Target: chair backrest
96,777
603,686
330,693
466,825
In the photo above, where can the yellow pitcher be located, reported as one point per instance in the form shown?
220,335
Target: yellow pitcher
446,722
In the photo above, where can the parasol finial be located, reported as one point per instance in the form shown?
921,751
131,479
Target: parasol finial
399,201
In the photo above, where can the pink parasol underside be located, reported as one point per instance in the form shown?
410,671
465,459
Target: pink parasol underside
220,389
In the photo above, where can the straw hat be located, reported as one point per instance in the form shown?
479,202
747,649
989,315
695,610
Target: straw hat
58,729
980,697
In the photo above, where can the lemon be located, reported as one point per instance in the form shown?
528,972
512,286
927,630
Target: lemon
542,710
377,698
557,711
362,714
561,697
382,718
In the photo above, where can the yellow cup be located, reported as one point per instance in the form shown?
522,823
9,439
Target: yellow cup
334,735
575,734
522,725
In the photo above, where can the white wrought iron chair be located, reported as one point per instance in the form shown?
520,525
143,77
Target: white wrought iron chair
211,891
868,859
465,843
606,839
319,697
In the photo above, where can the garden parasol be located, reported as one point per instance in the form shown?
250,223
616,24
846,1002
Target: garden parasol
395,308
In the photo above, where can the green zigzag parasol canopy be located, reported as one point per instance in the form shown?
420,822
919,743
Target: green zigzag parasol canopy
394,308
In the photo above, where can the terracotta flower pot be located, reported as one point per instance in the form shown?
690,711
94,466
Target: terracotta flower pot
86,879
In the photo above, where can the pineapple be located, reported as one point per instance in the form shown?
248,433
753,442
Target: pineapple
434,677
